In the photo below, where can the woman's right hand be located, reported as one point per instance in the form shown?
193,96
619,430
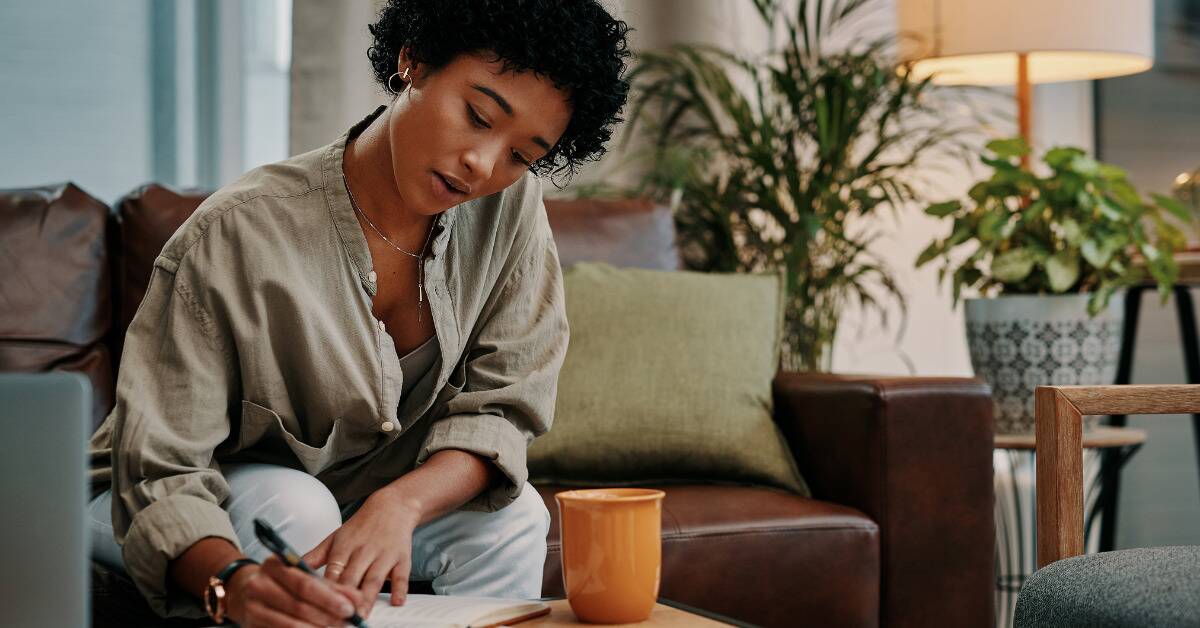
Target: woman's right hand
277,596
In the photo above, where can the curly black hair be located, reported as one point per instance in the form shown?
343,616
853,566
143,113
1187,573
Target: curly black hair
576,44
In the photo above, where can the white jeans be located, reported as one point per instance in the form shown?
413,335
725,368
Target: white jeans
497,554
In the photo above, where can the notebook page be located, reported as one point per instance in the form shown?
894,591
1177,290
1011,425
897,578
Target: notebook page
411,623
448,611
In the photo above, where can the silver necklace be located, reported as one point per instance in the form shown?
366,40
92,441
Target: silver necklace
420,257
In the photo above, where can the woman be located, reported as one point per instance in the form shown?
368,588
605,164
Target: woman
358,343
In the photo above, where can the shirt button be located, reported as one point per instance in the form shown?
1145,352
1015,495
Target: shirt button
382,327
387,426
371,276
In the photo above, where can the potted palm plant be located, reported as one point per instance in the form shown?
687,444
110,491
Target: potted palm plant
1049,255
769,160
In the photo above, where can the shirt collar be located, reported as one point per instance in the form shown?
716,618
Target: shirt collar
344,220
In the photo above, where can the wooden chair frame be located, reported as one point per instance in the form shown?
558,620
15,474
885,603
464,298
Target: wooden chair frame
1059,414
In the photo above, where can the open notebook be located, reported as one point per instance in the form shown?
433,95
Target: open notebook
446,611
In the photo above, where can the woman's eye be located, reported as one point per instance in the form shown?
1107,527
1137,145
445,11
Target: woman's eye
476,120
479,122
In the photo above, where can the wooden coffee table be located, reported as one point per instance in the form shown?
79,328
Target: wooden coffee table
665,613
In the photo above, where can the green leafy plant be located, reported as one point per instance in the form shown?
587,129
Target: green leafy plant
768,161
1081,228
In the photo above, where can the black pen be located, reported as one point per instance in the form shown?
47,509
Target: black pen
271,539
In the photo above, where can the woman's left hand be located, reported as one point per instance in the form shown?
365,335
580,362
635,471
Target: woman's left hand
373,546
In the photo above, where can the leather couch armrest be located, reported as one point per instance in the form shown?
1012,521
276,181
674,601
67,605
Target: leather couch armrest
914,454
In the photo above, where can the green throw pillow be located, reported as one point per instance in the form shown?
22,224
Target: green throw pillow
667,378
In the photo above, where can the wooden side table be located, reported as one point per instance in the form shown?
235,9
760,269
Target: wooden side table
1016,527
665,614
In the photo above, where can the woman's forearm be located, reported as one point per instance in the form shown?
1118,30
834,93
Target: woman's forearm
449,479
191,569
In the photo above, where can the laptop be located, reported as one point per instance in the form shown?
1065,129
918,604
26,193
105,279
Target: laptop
44,427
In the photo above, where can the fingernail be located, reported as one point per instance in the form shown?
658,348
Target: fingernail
346,609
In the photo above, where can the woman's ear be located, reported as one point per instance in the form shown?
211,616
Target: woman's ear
404,62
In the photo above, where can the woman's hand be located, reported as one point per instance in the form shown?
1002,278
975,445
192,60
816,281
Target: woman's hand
373,546
276,595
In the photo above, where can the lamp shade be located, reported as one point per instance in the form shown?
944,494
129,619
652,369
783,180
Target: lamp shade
976,42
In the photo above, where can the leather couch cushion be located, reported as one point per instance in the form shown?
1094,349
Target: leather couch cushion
147,218
624,232
55,307
759,555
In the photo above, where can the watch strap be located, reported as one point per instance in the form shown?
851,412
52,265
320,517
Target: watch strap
214,593
227,572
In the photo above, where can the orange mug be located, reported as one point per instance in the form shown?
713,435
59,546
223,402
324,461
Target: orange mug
611,552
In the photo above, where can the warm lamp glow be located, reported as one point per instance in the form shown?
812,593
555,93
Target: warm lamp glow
976,42
1000,68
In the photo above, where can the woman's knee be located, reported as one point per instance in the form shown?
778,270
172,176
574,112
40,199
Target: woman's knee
100,529
527,516
295,503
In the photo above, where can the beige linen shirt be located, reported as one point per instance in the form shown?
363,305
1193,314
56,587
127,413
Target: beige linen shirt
256,342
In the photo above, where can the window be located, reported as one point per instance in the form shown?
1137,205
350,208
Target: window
114,95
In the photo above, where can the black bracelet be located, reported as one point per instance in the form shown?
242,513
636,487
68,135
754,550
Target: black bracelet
225,574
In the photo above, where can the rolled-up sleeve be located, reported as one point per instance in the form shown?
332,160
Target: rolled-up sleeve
511,372
172,411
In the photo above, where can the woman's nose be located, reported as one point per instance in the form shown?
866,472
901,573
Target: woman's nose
481,161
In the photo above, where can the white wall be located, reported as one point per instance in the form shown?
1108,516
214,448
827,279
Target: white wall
332,82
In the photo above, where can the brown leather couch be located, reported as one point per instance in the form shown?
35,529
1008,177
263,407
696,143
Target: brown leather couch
899,532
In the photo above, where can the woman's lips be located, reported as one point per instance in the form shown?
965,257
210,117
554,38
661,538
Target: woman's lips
442,190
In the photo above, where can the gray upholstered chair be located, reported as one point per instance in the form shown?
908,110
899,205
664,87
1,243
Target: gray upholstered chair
1157,587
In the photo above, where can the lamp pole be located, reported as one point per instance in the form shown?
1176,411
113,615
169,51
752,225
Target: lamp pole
1024,100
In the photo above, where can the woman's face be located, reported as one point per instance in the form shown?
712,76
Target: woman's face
472,127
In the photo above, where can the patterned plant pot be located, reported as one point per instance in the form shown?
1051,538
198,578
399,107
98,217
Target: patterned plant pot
1019,342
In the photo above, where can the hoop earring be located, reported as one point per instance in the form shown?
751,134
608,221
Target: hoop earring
403,79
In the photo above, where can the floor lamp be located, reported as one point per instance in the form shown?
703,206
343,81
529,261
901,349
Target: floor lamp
1024,42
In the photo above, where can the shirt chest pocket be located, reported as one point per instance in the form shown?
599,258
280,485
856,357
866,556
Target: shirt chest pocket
264,429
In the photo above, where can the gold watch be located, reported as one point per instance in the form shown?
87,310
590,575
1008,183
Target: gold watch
214,591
